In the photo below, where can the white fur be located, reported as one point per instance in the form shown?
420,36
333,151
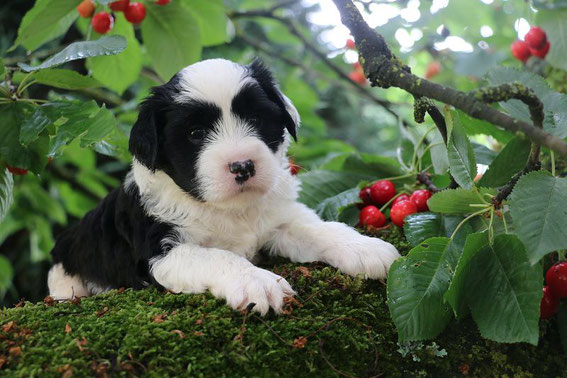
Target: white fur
215,240
64,286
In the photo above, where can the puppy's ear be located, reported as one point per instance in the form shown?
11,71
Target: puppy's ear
269,85
144,137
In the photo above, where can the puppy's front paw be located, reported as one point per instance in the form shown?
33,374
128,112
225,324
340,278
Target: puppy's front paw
261,287
353,253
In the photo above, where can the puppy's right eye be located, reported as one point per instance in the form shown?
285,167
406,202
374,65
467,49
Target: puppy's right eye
197,135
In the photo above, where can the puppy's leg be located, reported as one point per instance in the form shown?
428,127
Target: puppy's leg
304,237
64,286
193,269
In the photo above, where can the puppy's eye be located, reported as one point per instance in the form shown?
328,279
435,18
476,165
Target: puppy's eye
197,135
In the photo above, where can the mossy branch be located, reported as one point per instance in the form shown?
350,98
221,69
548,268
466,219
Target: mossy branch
385,70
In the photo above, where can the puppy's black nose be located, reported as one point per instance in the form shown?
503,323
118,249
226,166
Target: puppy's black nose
242,169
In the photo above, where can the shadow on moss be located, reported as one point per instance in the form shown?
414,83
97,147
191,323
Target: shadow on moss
338,325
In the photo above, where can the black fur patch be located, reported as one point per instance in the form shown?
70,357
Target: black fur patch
264,77
113,243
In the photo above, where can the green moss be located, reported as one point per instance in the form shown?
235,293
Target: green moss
344,321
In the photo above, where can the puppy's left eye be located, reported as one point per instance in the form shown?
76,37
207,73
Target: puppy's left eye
197,135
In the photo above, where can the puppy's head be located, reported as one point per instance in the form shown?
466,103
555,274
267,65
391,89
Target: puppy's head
218,129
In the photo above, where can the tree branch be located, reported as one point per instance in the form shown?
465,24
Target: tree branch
268,13
383,69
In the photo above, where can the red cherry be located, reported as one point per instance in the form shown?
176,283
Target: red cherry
432,70
350,44
135,13
382,191
520,50
556,279
357,66
364,195
17,171
401,210
102,22
536,38
420,197
119,6
86,8
371,216
357,77
400,198
163,2
549,304
542,52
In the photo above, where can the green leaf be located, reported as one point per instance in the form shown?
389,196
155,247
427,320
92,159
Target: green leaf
120,71
553,22
47,20
456,294
555,104
421,226
316,186
511,160
32,126
483,154
416,284
538,205
457,201
439,155
475,126
6,275
110,45
172,38
6,191
462,163
504,292
103,123
12,117
329,209
64,79
212,20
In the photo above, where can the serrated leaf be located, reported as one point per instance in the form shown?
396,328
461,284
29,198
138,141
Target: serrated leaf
64,79
212,20
32,126
462,163
475,126
316,186
118,72
553,22
421,226
109,45
6,191
172,38
456,294
439,155
47,20
511,160
538,205
330,208
103,123
483,154
555,104
504,292
457,201
416,284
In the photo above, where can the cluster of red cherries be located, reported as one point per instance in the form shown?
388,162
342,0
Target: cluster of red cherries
383,193
103,22
535,43
554,290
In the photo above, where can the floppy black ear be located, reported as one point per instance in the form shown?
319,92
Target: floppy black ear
144,137
269,85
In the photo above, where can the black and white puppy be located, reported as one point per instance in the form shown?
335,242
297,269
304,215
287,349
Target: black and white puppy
209,187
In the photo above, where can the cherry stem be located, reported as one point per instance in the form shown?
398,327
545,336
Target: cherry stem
467,219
